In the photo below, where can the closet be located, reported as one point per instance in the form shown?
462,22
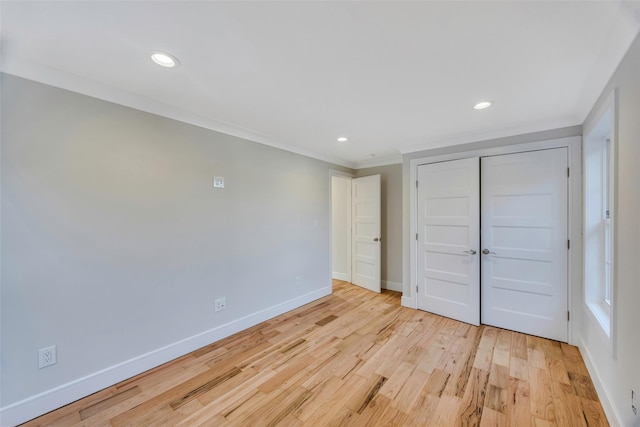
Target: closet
492,240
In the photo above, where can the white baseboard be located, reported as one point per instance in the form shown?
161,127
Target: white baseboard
341,276
609,410
408,302
392,286
34,406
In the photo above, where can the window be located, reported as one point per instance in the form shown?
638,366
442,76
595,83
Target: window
599,175
607,190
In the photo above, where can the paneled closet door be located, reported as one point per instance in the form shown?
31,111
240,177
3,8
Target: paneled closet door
448,239
524,242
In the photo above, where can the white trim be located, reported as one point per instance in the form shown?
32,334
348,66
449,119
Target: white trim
574,229
498,134
84,86
341,276
594,118
338,172
602,326
609,410
57,397
574,225
347,175
391,286
408,302
391,160
605,322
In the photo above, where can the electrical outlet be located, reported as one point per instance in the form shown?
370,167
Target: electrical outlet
47,356
298,281
634,406
221,304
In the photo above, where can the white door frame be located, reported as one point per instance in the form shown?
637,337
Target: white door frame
341,174
574,223
346,276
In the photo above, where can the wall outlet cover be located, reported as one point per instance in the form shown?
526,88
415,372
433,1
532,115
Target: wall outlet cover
220,304
47,356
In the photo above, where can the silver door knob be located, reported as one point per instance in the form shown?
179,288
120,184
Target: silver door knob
487,252
470,252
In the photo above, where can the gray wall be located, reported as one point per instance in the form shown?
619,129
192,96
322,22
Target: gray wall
618,375
391,183
115,244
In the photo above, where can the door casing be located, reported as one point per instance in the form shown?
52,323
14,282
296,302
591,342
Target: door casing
348,176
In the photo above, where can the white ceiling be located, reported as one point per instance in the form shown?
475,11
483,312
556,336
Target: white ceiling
393,76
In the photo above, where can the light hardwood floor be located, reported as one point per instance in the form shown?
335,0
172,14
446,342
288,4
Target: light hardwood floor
355,358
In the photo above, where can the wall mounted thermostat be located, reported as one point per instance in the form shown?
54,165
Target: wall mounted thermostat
218,182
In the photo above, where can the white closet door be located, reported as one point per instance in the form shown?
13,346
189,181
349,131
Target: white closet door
524,242
365,229
448,239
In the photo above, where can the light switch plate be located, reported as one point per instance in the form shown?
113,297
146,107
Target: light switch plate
218,182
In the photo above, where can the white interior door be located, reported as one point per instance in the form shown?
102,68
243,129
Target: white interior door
448,239
365,229
524,242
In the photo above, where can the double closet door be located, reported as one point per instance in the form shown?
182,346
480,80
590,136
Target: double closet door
492,241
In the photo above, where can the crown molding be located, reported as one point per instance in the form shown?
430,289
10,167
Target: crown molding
486,136
78,84
389,160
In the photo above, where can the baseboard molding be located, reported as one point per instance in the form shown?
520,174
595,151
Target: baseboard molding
49,400
609,410
408,302
341,276
392,286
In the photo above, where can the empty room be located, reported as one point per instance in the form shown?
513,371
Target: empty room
319,213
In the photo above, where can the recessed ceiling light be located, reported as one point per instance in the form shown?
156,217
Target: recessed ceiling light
482,105
343,139
164,59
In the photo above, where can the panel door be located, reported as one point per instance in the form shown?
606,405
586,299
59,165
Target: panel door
524,242
448,239
366,241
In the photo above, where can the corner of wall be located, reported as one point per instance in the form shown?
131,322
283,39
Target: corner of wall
603,394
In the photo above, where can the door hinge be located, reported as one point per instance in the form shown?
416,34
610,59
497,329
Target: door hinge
416,184
416,236
416,288
568,244
568,316
568,172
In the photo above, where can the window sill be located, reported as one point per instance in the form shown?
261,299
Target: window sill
602,318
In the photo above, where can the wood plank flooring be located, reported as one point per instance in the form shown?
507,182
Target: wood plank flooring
354,358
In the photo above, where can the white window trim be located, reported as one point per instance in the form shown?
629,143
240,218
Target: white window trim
600,311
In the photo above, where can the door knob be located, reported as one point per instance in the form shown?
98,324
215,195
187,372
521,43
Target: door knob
376,239
487,252
470,252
